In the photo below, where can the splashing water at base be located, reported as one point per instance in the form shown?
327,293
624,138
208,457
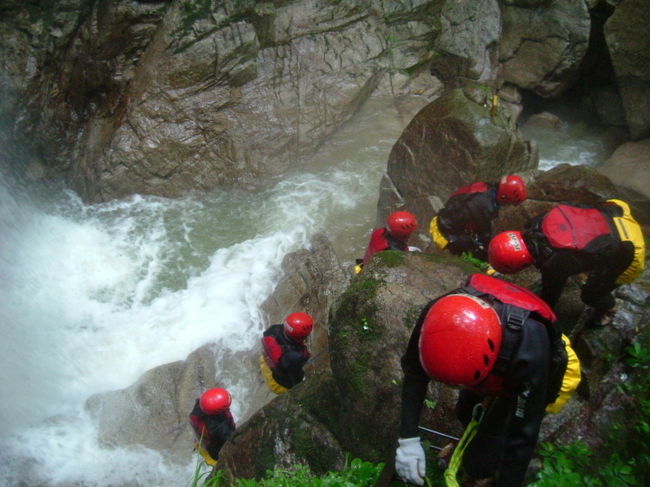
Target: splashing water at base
92,296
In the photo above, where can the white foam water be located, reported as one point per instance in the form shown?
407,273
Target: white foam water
92,296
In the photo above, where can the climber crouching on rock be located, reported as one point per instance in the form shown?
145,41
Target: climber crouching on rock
285,353
501,344
604,241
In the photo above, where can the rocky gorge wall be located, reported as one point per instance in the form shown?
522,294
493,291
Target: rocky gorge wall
165,97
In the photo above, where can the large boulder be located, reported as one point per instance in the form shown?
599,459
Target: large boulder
456,139
467,47
626,33
629,168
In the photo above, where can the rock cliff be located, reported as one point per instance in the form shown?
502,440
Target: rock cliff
170,96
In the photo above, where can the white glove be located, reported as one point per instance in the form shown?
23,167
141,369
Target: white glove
410,463
414,249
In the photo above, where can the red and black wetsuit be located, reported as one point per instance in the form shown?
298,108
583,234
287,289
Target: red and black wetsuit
599,251
213,429
285,356
466,219
507,435
381,239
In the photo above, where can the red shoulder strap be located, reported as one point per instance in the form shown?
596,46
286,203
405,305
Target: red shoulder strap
478,187
509,293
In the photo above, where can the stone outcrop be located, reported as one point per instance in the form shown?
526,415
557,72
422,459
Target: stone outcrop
626,33
629,168
543,44
170,96
456,139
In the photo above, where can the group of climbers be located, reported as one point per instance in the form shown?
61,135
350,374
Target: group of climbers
284,354
497,341
500,342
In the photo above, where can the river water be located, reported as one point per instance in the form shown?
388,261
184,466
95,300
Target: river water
92,296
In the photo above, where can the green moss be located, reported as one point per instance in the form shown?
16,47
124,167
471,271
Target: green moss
320,457
391,258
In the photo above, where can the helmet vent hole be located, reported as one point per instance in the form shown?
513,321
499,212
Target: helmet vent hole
477,375
486,360
491,345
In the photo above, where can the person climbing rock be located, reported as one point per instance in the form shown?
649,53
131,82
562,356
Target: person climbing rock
394,236
212,422
501,344
604,241
464,224
285,353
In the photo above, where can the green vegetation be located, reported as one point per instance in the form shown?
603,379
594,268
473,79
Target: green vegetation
627,463
356,473
391,258
481,265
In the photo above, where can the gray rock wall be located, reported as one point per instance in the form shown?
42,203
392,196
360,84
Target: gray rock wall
166,97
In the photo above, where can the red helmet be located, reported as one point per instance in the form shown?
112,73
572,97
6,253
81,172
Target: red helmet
401,224
508,252
298,326
460,340
512,190
215,401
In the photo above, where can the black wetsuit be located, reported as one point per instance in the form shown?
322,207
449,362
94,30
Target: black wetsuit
604,259
213,428
287,356
507,435
466,221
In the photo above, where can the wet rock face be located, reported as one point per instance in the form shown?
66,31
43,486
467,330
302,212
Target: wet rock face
629,47
165,97
171,96
543,45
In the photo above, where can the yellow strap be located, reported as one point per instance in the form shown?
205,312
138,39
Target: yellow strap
268,377
457,458
437,237
204,453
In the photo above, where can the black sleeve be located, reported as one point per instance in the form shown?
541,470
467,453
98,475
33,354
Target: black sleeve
414,385
220,428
